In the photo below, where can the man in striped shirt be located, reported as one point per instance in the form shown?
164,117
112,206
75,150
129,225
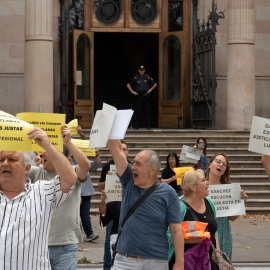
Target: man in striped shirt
26,209
65,232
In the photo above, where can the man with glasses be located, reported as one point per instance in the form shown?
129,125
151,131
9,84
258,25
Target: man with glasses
101,186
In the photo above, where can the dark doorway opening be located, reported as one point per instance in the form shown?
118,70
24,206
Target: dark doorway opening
117,56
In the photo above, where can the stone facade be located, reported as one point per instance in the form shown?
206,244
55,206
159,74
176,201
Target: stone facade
13,51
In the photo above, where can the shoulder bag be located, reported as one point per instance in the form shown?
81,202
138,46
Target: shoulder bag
131,211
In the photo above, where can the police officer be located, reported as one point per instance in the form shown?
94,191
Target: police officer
143,86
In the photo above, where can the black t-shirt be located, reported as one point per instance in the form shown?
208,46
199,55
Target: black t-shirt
168,173
106,168
112,213
208,217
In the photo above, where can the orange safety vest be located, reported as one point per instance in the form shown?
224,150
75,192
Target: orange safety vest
194,229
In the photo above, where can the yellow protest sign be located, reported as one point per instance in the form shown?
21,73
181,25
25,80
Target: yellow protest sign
13,133
49,122
84,146
179,172
72,126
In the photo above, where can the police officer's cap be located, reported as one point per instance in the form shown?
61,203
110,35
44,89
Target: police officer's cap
141,67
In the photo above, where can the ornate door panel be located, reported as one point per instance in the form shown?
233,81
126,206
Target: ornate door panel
124,15
172,58
83,74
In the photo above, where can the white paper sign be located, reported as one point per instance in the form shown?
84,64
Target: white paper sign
109,124
113,169
183,155
259,140
113,188
120,124
102,126
193,153
227,200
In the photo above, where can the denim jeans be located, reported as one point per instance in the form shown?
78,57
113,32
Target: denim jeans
85,215
107,250
123,262
63,257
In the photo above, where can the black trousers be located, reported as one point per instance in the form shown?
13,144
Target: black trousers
141,102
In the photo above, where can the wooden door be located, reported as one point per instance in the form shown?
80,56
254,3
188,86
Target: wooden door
83,74
172,79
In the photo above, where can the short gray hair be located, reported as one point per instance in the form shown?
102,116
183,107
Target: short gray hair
27,158
153,160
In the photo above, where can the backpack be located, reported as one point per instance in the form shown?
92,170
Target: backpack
197,257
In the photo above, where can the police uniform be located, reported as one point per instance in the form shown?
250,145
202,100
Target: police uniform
141,84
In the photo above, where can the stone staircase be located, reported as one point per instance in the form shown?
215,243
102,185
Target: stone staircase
246,167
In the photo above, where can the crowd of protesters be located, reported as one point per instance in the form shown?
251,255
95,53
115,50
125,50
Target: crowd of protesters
42,207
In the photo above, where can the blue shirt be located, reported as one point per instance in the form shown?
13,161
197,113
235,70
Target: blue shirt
142,83
144,234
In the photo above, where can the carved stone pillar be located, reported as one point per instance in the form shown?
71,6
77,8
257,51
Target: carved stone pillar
38,66
241,64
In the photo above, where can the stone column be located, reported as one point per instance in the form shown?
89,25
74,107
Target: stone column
241,64
38,65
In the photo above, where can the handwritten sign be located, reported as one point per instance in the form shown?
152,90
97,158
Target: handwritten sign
179,172
83,145
13,133
49,122
227,200
72,125
259,140
190,155
113,188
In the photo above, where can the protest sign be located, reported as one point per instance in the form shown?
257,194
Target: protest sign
49,122
83,145
13,133
109,123
120,124
259,140
190,155
113,188
113,169
72,125
179,172
227,200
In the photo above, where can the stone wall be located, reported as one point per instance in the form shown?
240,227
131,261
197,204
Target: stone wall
12,29
262,53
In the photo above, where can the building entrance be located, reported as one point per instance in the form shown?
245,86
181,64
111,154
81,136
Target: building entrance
116,58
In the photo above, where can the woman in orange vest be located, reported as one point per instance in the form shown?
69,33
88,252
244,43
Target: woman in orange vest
195,190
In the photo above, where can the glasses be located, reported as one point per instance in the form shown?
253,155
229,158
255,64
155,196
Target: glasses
224,164
124,149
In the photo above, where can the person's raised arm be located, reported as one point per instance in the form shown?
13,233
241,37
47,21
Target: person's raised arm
178,244
83,137
83,164
61,164
119,157
266,164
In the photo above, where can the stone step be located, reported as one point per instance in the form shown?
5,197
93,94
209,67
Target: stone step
242,179
179,143
258,194
249,156
254,186
195,133
246,167
258,203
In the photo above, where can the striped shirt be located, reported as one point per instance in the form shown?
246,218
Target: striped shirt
24,225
